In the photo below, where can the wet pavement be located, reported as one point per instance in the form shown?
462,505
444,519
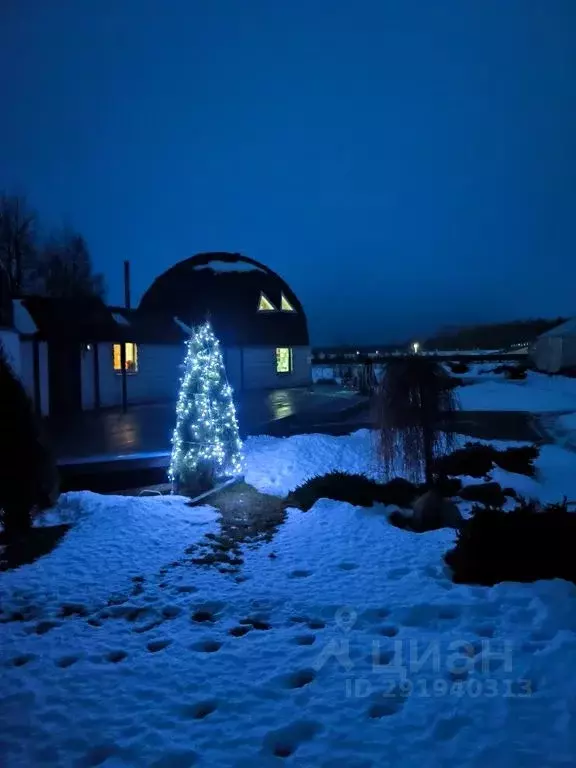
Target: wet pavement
146,430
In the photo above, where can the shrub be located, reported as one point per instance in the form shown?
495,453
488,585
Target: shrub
458,367
477,460
354,489
513,372
519,460
490,494
28,475
474,460
526,544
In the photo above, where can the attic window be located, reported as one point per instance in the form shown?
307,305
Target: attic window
265,305
285,305
131,357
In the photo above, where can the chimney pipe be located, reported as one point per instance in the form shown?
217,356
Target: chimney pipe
127,284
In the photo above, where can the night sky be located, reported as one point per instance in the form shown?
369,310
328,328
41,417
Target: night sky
403,164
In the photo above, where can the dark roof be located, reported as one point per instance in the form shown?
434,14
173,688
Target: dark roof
225,287
74,319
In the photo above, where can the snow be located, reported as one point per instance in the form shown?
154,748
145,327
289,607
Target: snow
361,635
568,422
230,266
537,394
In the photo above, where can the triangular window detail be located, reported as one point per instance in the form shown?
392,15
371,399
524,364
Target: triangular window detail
285,305
265,305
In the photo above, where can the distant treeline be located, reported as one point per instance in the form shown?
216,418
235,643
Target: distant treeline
492,335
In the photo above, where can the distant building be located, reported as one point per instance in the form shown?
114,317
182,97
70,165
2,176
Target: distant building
555,350
68,352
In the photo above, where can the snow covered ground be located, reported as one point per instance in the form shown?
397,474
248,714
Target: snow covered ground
343,642
538,393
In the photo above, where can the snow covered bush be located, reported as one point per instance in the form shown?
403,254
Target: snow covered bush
354,489
490,494
512,372
28,474
458,367
478,459
527,544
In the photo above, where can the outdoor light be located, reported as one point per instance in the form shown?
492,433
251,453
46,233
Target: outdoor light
415,347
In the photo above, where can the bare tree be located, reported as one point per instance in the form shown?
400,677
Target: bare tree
65,268
17,241
415,397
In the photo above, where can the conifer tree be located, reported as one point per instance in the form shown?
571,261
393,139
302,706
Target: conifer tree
206,445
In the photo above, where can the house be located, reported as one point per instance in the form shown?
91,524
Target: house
555,350
79,354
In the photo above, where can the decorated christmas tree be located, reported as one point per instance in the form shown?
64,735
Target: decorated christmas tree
206,446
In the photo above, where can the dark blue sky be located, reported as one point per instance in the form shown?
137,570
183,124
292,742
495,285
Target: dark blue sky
402,163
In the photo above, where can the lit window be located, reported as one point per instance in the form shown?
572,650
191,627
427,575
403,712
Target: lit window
285,305
265,305
284,360
131,357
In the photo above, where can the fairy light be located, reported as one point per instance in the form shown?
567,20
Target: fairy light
206,427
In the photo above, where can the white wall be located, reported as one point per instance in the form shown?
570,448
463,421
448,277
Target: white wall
260,368
157,379
10,341
159,372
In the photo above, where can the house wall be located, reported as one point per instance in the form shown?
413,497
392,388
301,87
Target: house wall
27,373
260,368
157,378
159,372
553,353
10,341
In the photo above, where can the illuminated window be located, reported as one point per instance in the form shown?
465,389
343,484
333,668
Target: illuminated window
285,305
265,305
131,357
284,360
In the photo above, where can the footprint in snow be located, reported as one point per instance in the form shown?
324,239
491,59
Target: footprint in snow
299,574
300,678
398,573
284,742
22,660
348,566
114,657
239,631
66,661
388,630
446,728
386,703
200,709
45,626
72,609
305,639
207,646
158,645
257,622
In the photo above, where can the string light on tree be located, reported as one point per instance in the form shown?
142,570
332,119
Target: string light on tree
206,445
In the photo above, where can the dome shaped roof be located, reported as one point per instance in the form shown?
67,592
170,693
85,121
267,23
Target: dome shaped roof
247,303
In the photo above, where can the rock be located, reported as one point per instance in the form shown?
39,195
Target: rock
431,511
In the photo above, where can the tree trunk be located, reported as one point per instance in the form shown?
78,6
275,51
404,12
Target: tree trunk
17,520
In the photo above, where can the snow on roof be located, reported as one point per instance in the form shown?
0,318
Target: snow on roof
229,266
120,319
564,329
